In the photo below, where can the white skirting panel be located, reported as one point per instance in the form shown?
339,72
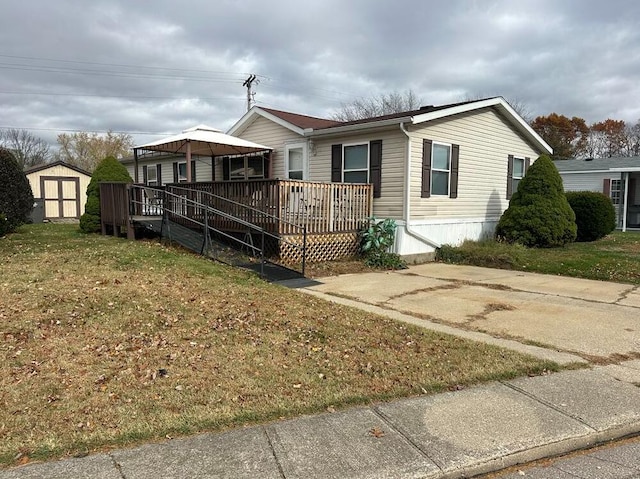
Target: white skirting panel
453,232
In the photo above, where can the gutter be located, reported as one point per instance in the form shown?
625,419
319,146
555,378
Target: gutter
407,198
333,130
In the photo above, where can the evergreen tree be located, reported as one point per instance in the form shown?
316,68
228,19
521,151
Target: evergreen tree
16,197
539,214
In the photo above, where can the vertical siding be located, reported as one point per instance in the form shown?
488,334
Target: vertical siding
266,132
394,144
485,140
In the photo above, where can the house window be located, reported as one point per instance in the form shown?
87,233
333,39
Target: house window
182,172
245,168
440,169
152,175
361,163
518,173
296,161
616,191
355,167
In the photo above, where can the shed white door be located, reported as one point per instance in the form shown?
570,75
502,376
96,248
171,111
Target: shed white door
61,195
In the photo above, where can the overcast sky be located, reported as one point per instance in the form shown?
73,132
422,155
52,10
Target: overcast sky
164,65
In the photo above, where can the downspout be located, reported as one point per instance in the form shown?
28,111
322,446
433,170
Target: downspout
407,198
625,203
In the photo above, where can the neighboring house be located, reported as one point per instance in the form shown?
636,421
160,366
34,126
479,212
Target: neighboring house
611,176
444,173
59,190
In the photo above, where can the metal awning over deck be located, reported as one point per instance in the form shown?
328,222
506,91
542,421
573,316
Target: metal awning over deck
201,140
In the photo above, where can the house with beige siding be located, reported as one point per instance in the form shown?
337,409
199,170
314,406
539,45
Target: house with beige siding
443,173
59,190
618,178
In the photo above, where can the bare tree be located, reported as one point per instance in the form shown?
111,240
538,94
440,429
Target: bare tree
633,140
384,104
519,105
86,150
28,149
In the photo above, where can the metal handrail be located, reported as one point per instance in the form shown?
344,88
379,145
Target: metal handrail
208,209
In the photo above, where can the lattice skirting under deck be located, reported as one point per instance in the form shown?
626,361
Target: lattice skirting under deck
320,247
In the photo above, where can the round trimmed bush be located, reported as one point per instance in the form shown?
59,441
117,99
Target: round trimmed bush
595,214
16,197
539,214
108,169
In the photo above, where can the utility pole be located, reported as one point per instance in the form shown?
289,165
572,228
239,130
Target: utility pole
248,83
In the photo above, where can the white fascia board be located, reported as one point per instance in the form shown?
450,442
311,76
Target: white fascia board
334,130
477,105
252,114
629,169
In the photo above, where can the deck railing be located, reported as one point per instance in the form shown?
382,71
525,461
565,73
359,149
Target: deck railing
318,207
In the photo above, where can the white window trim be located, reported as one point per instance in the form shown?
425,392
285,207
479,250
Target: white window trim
154,169
305,158
368,169
617,191
448,172
182,179
514,168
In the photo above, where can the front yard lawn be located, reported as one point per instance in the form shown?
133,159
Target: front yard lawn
106,342
615,257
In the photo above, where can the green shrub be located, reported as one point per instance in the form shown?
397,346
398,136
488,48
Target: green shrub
376,239
595,214
108,169
16,198
539,214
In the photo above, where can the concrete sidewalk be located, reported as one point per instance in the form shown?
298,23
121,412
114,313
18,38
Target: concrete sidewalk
455,434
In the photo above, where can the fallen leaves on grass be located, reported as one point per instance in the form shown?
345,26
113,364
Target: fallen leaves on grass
115,342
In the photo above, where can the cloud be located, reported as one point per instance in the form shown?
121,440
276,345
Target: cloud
163,66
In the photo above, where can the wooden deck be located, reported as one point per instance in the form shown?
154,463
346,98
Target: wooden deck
321,219
284,206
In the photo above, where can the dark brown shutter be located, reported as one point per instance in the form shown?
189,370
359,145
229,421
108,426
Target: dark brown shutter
510,177
159,173
375,166
225,168
336,163
213,168
527,164
193,171
425,190
145,174
453,179
175,171
606,187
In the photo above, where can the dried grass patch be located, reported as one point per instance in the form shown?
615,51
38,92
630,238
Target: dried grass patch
107,342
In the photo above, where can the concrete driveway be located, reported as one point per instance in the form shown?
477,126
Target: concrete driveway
596,320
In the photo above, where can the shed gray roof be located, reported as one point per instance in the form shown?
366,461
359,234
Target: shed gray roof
597,164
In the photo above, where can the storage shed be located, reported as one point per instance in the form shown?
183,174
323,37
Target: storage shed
59,190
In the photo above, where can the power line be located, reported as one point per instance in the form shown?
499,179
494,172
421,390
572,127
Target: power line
11,66
118,96
68,130
123,65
